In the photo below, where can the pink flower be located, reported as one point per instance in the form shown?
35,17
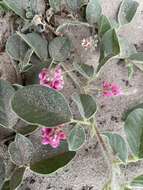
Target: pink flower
111,89
53,136
86,43
52,78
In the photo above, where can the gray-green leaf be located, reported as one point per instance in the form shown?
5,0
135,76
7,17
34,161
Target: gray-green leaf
21,150
137,182
55,4
59,48
86,105
41,105
2,172
76,138
93,11
37,43
16,178
134,132
73,5
118,146
7,117
109,47
127,11
56,159
104,25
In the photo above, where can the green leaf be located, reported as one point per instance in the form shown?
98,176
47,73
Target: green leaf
59,48
93,11
16,178
85,70
134,132
109,47
16,6
2,172
7,117
137,182
73,5
6,185
86,105
76,138
118,146
21,150
136,57
56,5
3,6
37,43
127,11
56,159
104,25
16,47
41,105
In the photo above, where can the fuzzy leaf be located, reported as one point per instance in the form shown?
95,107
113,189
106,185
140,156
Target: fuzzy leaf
93,11
59,48
55,4
16,6
85,70
109,47
16,178
137,57
137,182
7,117
104,25
73,5
76,138
134,132
118,146
37,43
86,105
21,150
16,47
41,105
2,172
127,11
56,159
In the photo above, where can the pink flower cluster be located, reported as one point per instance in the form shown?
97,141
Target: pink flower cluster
86,43
52,78
53,136
111,89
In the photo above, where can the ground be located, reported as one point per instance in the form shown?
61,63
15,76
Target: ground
89,170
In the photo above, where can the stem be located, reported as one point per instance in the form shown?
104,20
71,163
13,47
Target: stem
80,122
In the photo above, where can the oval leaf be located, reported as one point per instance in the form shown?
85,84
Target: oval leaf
76,138
118,146
41,105
21,150
109,47
7,117
56,159
93,11
137,182
86,105
37,43
134,132
59,48
127,11
104,25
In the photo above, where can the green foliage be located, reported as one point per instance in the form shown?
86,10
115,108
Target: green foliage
41,105
59,49
2,172
55,4
134,132
7,117
55,160
85,70
21,150
118,146
103,25
73,5
137,182
93,11
76,138
109,47
127,11
3,7
86,105
36,43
